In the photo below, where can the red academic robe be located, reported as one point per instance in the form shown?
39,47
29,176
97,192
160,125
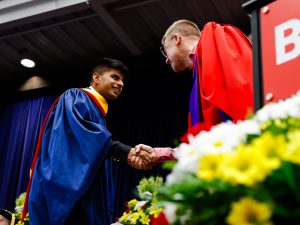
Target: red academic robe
223,77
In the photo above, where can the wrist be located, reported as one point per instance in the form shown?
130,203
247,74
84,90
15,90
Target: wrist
163,154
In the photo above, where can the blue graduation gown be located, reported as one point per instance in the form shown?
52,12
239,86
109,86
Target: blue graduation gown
72,180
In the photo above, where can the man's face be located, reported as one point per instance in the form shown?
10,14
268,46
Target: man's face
110,84
175,56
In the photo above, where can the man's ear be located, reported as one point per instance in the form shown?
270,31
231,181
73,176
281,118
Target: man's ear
177,38
95,77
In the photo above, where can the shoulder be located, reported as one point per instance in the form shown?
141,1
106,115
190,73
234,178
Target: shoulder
74,93
73,96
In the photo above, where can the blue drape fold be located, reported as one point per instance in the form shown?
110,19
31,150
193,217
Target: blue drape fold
19,126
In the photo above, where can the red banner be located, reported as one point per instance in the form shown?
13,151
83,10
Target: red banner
280,36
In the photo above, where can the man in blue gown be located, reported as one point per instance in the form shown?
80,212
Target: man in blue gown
72,182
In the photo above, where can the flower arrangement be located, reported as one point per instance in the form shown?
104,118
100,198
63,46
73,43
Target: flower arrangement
245,173
146,209
19,209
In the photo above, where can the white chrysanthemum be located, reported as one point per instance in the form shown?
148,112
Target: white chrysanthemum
280,110
293,107
146,194
187,157
139,205
19,209
226,136
247,127
222,138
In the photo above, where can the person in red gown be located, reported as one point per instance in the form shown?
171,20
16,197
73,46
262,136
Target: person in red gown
220,58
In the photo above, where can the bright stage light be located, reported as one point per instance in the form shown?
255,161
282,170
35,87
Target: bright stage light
28,63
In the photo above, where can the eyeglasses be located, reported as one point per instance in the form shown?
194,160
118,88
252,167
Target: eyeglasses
162,48
163,52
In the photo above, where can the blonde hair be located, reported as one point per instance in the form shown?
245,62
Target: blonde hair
183,27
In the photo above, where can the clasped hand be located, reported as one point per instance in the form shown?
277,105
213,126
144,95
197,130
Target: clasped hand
141,157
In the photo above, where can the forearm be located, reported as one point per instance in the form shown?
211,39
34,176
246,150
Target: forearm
118,151
163,154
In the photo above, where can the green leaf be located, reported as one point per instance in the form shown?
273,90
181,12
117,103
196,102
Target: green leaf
291,181
168,165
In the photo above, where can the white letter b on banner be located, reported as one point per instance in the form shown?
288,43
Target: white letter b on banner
281,41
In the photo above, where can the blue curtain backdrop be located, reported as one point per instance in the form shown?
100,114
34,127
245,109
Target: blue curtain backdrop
20,123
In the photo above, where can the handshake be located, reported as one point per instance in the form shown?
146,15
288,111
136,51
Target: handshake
145,157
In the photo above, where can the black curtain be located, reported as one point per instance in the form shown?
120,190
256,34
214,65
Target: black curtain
152,110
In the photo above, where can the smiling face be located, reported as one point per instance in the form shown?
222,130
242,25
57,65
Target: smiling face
109,84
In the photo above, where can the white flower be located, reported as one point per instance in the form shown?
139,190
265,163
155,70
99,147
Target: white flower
146,194
222,138
247,127
280,110
19,209
187,155
225,137
139,205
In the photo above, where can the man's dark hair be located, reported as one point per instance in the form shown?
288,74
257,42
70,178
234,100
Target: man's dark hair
105,64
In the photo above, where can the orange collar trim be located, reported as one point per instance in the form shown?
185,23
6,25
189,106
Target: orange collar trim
100,99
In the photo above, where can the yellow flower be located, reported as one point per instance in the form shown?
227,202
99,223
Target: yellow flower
155,212
209,164
218,144
265,125
134,217
132,203
248,211
280,123
124,217
144,219
293,147
294,122
154,202
25,221
274,147
247,166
